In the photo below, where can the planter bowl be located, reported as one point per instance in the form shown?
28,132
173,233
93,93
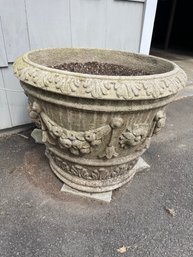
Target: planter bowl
95,127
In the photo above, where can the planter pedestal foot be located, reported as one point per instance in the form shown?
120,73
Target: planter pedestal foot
103,196
140,166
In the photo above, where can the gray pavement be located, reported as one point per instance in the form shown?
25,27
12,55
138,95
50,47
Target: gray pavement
36,219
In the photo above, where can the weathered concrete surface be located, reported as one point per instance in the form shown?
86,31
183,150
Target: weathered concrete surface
96,133
140,166
36,219
104,196
185,62
36,134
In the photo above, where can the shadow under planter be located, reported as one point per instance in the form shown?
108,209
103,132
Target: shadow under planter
95,127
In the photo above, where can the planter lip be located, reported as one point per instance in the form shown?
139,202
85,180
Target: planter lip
141,87
78,74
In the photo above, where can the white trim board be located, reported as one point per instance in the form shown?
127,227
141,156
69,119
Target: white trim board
147,27
140,1
3,55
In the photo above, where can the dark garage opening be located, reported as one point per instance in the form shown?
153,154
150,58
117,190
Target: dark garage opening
173,27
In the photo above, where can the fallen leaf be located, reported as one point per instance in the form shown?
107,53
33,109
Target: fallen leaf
171,211
122,249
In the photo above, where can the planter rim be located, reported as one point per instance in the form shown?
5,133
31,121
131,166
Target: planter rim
100,86
26,58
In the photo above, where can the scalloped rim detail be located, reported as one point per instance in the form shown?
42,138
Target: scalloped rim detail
100,87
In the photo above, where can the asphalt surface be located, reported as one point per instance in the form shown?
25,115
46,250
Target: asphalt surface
36,219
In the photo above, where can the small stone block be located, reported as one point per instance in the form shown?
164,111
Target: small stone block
37,135
141,165
104,196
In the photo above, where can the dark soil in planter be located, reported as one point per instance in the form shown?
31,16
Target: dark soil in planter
96,68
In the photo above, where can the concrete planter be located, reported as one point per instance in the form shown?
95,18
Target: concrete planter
96,127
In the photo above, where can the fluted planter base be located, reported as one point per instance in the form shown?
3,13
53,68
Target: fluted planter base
92,176
141,166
